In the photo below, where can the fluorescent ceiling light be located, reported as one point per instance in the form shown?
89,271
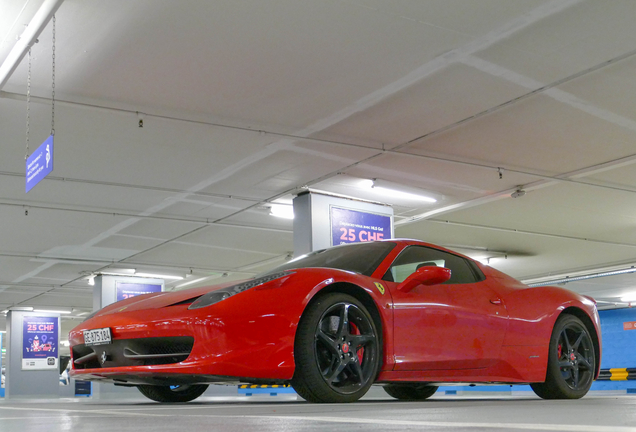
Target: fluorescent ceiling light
488,260
158,276
21,308
282,211
52,311
582,277
146,275
192,282
629,298
385,188
130,271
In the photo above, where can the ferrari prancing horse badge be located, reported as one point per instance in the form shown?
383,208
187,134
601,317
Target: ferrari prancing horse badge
380,287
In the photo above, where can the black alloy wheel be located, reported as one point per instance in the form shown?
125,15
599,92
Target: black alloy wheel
571,361
337,350
179,393
411,392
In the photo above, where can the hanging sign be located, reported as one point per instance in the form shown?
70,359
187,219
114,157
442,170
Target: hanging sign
127,290
39,164
353,226
40,342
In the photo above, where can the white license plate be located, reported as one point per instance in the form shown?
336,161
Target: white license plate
97,337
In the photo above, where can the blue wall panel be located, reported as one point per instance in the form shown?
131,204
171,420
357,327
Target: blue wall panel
619,346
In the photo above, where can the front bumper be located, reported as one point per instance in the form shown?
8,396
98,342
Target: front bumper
171,346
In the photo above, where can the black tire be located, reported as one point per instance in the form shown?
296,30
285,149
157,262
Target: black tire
337,350
412,392
571,361
182,393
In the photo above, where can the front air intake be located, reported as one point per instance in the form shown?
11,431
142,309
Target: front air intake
133,352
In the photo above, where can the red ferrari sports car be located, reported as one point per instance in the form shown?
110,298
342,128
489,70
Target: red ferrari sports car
399,313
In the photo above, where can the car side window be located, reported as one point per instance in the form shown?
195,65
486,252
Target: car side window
414,257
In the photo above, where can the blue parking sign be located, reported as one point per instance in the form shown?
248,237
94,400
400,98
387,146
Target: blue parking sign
39,164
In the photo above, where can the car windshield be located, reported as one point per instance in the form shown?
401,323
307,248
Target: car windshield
361,258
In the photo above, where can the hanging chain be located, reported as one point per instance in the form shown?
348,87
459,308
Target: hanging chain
53,85
28,100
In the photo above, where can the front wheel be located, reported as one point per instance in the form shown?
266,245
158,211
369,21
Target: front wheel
571,361
412,392
337,350
181,393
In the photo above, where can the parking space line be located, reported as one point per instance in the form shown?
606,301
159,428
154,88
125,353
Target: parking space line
131,412
424,423
98,411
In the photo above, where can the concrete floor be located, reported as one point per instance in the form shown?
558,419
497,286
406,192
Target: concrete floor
594,413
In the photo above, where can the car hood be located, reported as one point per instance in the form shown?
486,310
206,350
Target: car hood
172,298
161,300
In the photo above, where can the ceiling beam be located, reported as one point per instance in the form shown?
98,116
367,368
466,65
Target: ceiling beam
28,39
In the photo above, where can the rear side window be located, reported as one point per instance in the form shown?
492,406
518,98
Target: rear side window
414,257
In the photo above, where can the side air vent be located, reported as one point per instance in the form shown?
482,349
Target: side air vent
184,302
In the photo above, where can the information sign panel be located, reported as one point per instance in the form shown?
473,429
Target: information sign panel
353,226
130,289
39,164
40,342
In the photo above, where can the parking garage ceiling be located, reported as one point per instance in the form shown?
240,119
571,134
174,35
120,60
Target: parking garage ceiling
244,104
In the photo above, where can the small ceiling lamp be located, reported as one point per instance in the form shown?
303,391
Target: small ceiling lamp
518,193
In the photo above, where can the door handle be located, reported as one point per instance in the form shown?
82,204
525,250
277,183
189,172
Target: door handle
496,301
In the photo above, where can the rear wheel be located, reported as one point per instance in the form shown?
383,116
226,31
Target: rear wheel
337,350
571,361
181,393
412,392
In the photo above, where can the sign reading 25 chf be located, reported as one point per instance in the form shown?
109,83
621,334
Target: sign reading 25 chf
353,226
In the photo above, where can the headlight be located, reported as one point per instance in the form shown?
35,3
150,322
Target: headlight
91,315
216,296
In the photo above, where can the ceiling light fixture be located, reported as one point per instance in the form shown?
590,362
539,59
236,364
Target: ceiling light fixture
21,308
489,260
518,193
385,188
60,311
130,271
629,298
282,211
192,282
158,276
141,274
582,277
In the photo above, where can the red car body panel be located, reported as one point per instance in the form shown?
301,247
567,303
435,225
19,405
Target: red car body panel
493,331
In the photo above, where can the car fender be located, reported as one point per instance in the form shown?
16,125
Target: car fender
376,291
534,311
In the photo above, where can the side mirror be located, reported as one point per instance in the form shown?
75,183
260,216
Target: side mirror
429,275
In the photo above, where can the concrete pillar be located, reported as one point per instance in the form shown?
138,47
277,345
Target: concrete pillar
107,290
28,378
322,221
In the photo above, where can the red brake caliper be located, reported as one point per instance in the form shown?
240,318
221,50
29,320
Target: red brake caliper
360,352
559,351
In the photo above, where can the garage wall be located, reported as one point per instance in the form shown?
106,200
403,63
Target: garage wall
619,346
